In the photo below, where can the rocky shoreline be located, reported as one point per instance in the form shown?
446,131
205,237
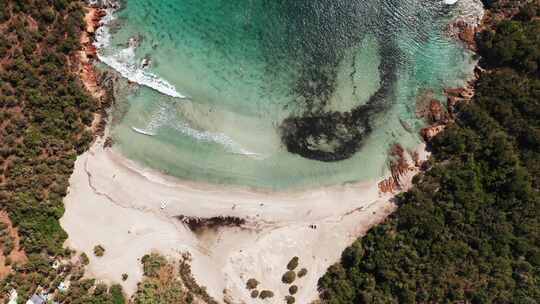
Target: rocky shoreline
438,117
436,114
100,85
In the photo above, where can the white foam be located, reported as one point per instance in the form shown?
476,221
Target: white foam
141,131
219,138
165,116
123,61
450,2
469,11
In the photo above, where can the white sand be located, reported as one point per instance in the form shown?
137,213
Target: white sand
115,203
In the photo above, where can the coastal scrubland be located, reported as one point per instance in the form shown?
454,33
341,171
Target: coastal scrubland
47,115
45,122
468,230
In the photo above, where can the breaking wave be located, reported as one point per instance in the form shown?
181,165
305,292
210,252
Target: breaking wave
123,61
165,117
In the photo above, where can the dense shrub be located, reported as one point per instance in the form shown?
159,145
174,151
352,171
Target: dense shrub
293,289
252,283
99,250
513,43
290,299
467,232
266,294
152,263
293,263
302,272
288,277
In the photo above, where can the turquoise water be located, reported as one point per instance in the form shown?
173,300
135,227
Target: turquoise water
276,94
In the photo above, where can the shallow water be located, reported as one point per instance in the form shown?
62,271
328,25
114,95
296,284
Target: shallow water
277,94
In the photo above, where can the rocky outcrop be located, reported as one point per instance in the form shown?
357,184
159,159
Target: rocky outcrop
401,165
434,112
468,22
464,92
456,96
93,19
428,133
465,32
438,116
99,85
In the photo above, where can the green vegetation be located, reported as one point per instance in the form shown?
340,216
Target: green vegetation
266,294
290,299
152,264
254,293
288,277
45,113
86,291
7,242
162,288
84,259
99,250
168,282
190,283
252,283
293,263
468,230
293,289
117,294
45,118
302,272
512,43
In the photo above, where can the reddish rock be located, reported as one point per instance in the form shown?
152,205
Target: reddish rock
429,132
399,166
436,111
466,92
465,32
433,111
91,51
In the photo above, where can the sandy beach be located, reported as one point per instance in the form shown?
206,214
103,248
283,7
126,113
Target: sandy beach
131,211
114,202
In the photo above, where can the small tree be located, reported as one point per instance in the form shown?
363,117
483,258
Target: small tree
293,289
252,283
293,263
84,259
254,293
152,263
288,277
117,294
302,272
124,276
266,294
9,245
99,250
290,299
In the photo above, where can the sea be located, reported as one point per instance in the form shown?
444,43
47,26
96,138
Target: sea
278,94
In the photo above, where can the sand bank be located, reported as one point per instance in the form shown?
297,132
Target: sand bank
114,202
